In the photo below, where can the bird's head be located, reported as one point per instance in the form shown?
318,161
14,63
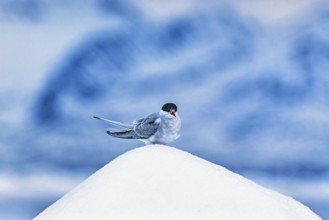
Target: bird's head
171,108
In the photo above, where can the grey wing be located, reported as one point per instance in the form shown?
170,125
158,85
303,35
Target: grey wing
138,121
126,134
147,127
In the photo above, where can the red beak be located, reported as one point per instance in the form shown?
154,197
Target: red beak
173,113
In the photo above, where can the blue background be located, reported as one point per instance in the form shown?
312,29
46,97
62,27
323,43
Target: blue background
250,79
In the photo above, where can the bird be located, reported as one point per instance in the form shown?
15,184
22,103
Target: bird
157,128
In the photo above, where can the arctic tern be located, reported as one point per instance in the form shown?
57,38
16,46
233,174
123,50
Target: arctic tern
157,128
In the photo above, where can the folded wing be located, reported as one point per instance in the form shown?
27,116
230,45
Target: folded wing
141,129
148,126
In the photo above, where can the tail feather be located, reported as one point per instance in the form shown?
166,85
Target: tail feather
127,134
115,123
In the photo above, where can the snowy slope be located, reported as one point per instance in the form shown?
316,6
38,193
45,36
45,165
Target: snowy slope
160,182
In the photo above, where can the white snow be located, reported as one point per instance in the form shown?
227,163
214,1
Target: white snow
161,182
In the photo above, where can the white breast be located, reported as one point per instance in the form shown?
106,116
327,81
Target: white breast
168,130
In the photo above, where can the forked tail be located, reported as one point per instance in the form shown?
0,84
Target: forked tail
115,123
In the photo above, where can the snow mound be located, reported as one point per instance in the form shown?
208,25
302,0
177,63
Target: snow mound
161,182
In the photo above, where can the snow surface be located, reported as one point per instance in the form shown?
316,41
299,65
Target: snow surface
161,182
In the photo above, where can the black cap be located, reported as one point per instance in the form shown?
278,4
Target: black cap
169,107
